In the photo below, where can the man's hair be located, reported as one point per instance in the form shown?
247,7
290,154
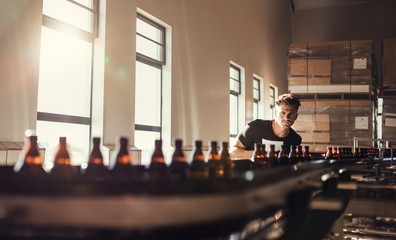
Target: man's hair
288,99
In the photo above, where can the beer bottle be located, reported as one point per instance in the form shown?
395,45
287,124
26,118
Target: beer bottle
282,157
364,153
329,153
356,154
215,165
121,166
198,168
31,164
225,159
350,154
272,158
96,168
335,154
178,168
306,154
300,155
259,157
265,161
293,158
62,167
157,167
341,153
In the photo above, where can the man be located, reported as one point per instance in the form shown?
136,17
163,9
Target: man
277,131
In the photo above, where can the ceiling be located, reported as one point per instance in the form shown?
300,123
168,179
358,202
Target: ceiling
311,4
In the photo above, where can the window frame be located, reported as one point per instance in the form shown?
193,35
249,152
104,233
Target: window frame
272,95
153,63
236,94
256,100
146,59
83,35
68,29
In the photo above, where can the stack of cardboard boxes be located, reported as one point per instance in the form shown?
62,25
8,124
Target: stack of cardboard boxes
334,81
388,90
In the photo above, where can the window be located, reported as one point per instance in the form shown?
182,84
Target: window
65,76
256,97
150,60
272,101
235,91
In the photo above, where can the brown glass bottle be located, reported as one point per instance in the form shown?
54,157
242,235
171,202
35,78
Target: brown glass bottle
257,156
335,154
225,159
282,157
178,168
62,167
265,162
31,164
198,168
346,153
157,167
215,165
96,169
356,154
350,154
341,153
300,154
272,157
121,167
307,154
329,153
260,157
293,157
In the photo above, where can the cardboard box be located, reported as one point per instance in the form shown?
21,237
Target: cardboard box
389,133
299,81
316,137
333,88
312,122
389,63
310,67
309,71
341,118
345,62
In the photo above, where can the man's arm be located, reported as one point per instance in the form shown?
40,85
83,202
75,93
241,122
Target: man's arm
238,151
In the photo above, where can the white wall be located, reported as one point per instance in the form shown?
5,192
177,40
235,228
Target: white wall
206,36
20,28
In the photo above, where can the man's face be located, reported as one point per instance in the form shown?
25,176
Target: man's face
285,115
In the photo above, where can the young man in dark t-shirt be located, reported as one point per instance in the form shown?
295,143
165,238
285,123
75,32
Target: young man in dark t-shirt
277,131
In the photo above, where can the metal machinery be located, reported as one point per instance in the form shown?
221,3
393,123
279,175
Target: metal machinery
336,199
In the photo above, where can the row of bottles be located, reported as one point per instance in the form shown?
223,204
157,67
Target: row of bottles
342,153
215,165
263,159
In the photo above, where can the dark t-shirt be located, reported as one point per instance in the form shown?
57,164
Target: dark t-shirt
260,131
